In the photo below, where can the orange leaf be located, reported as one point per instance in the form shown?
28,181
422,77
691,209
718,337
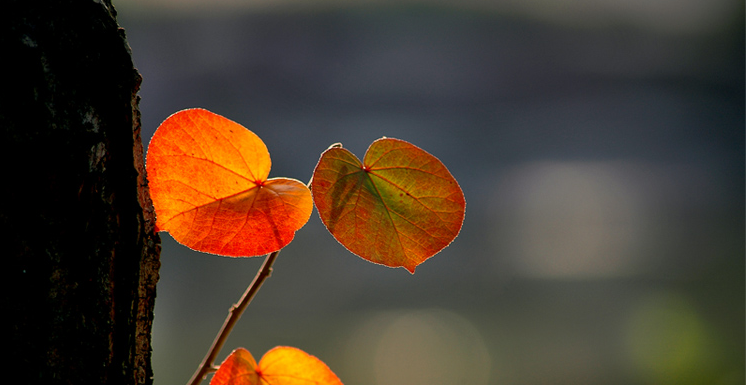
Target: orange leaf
239,368
282,365
398,208
208,182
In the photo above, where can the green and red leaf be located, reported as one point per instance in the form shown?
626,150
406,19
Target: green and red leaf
398,207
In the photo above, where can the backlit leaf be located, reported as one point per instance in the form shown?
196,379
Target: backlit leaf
282,365
239,368
208,182
399,207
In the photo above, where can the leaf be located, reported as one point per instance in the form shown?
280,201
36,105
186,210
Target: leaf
208,182
282,365
398,208
239,368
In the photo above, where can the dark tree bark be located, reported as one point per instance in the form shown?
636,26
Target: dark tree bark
77,223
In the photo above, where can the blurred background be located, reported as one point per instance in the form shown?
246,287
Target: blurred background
599,144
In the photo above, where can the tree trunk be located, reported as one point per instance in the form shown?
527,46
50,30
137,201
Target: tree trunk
76,221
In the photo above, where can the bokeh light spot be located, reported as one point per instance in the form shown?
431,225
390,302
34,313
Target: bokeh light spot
416,347
668,342
573,219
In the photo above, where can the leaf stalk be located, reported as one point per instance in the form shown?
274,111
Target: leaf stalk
234,314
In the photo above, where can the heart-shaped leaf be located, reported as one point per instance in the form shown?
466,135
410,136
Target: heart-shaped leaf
208,182
282,365
399,207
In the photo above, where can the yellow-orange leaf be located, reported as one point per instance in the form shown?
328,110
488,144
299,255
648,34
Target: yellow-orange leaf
399,207
282,365
208,182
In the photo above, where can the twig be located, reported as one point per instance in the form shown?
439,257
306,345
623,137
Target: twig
234,314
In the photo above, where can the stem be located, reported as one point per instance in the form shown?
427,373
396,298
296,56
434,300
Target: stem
234,314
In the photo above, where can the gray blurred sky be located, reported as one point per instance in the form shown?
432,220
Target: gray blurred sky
676,16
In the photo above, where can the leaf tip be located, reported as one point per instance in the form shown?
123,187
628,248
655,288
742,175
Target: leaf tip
335,145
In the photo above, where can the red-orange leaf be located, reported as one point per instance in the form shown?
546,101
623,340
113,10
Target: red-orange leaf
399,207
239,368
208,182
282,365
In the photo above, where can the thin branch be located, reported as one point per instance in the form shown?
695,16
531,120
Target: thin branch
207,365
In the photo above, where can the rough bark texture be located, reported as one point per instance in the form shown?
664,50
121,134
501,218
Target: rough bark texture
77,224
